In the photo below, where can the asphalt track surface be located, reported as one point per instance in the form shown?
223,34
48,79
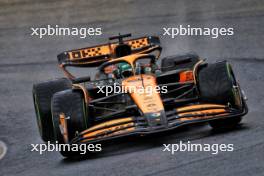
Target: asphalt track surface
25,60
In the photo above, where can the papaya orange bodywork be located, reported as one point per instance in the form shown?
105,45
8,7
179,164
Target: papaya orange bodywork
138,87
108,123
201,111
107,49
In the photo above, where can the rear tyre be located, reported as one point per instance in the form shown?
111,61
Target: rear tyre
217,84
179,62
71,104
42,94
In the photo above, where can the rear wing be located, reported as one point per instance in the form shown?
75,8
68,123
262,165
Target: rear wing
96,55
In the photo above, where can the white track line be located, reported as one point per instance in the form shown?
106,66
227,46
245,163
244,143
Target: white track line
3,149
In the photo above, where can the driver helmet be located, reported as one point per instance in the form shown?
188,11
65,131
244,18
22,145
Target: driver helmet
125,69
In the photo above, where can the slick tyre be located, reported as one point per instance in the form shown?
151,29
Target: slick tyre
71,105
42,94
217,84
179,62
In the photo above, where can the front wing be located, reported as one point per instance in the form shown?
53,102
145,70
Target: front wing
139,125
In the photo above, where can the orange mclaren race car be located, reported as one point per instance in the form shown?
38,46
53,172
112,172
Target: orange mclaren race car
187,90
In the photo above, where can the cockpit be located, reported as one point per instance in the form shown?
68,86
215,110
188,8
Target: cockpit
129,66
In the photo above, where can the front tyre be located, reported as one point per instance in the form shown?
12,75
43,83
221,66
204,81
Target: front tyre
42,94
217,84
71,105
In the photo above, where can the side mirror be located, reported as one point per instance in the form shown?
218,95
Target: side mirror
81,79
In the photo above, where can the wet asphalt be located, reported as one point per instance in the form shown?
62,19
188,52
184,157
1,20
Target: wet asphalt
26,59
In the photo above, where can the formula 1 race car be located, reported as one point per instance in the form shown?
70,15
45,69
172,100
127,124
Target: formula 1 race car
183,90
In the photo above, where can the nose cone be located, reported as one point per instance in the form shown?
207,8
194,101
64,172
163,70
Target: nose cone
156,119
144,93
